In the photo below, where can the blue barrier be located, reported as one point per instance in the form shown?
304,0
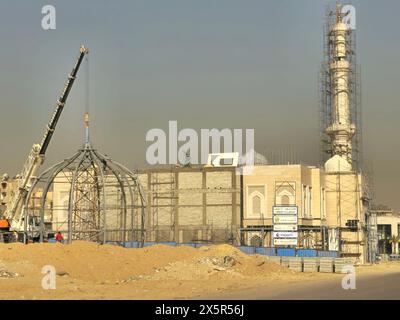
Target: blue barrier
198,245
286,252
248,250
282,252
170,243
306,253
148,244
133,244
193,245
265,251
328,254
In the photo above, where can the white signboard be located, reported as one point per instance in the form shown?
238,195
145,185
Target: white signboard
285,219
291,235
285,242
285,210
285,227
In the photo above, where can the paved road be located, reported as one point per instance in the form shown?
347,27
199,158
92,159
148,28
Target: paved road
367,288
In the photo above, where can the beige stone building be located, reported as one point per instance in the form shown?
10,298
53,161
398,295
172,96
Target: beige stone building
285,185
330,208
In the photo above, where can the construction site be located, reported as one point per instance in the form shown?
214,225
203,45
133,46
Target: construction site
199,231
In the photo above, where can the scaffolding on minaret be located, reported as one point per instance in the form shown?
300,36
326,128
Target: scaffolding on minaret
334,90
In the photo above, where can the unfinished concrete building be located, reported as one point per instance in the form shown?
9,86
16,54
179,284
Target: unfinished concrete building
192,204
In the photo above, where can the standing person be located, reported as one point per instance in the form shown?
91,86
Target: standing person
59,237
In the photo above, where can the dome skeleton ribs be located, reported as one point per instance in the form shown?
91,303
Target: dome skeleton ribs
103,200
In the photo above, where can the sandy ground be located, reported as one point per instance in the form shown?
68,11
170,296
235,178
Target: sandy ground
377,283
90,271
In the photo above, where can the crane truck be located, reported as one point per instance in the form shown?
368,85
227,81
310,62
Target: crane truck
12,220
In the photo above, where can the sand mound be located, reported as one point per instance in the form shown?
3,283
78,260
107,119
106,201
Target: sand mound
98,263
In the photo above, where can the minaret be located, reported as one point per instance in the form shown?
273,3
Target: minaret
341,130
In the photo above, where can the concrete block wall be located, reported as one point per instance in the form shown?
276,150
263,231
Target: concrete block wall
192,204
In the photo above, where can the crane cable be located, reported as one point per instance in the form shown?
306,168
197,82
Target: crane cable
87,100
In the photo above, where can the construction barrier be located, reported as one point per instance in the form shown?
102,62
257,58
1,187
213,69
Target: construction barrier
286,252
170,243
326,265
193,245
248,250
131,244
296,264
310,265
285,261
306,253
300,260
266,251
341,264
328,254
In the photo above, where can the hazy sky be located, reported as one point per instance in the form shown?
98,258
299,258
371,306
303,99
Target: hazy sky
205,63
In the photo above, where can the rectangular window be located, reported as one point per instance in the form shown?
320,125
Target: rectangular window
323,203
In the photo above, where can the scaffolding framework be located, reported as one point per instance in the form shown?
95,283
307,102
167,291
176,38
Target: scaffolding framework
341,118
93,198
346,187
163,198
188,204
327,91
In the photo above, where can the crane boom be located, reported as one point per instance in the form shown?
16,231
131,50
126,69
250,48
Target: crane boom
36,156
60,103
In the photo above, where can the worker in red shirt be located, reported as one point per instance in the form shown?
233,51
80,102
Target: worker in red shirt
59,237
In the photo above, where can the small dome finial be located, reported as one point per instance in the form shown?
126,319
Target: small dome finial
86,121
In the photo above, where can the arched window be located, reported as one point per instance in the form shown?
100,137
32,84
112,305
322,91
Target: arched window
285,200
285,197
255,203
285,193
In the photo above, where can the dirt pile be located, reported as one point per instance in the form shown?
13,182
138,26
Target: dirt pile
98,263
86,270
90,271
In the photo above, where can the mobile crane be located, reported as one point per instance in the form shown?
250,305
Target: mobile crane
13,217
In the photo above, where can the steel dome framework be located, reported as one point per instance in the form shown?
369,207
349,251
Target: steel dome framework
88,197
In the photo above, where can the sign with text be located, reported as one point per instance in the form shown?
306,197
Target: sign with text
285,242
285,219
290,235
285,227
280,210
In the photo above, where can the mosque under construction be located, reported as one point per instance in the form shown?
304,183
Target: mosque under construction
322,207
